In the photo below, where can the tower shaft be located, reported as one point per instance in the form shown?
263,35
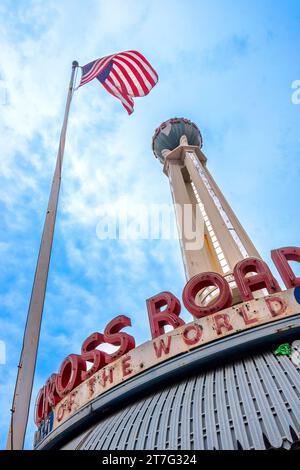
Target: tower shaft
224,241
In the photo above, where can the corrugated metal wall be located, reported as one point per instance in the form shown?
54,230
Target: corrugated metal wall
250,404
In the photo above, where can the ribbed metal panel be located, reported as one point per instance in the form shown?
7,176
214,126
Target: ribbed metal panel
253,403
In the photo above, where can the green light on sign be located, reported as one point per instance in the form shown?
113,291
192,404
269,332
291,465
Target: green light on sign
283,350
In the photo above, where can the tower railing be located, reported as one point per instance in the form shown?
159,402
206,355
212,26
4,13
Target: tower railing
219,206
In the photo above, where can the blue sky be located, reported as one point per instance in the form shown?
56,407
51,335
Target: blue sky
228,66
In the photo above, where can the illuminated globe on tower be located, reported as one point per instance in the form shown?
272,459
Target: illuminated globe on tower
229,379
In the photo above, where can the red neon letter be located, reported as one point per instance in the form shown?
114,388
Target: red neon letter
126,368
39,407
46,400
195,338
113,336
91,354
262,279
51,395
276,306
107,376
245,314
158,318
69,374
199,282
280,258
222,321
60,412
162,347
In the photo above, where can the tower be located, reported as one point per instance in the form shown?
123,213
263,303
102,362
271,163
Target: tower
177,143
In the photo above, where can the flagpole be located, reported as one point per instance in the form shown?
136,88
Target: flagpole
26,368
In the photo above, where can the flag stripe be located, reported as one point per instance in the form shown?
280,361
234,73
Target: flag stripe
145,64
140,79
140,71
145,61
133,77
123,87
140,66
129,79
124,97
111,89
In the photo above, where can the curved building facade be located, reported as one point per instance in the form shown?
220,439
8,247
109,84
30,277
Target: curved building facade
247,404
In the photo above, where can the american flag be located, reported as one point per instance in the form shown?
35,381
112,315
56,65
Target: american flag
125,75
